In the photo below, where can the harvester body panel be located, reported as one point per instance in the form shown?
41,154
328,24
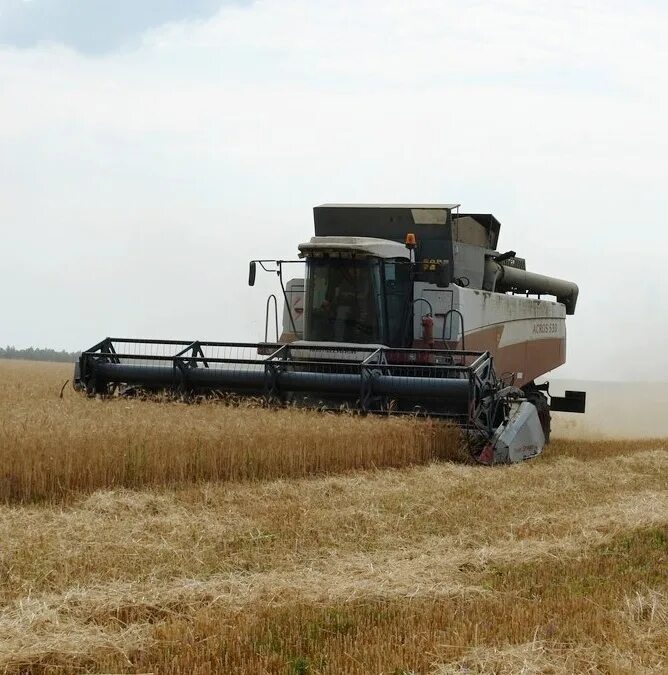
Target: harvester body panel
526,336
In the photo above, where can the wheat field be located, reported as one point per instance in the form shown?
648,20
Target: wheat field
146,537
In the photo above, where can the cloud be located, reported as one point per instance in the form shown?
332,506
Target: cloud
136,187
93,26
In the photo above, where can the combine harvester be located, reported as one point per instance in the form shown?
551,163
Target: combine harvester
402,309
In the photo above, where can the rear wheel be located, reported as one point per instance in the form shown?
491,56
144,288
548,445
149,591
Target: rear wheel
538,398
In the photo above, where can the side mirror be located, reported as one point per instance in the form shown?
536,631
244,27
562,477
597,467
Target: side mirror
443,274
252,268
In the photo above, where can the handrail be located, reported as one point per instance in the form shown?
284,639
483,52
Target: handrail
266,317
461,319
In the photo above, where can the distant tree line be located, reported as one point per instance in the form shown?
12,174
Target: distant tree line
38,354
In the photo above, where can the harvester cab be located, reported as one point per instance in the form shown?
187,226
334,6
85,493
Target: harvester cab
401,309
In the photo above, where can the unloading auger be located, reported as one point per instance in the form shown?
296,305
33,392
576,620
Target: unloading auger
403,309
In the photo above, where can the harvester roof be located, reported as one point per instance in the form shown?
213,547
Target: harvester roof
449,207
429,222
381,248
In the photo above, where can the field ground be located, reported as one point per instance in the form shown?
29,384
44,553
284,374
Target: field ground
139,537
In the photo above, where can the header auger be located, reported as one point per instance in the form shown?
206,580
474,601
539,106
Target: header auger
403,309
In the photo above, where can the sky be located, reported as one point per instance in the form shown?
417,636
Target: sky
150,149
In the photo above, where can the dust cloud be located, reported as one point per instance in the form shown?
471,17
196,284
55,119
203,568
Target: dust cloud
614,410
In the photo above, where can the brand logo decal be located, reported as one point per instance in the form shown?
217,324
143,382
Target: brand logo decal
546,328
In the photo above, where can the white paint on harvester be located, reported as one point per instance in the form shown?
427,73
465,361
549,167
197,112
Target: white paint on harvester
517,318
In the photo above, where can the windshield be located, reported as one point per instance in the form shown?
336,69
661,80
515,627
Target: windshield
344,301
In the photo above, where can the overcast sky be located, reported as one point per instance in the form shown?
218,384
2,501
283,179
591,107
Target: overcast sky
149,149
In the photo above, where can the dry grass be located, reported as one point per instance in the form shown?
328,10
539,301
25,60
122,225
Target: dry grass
557,565
502,628
52,447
